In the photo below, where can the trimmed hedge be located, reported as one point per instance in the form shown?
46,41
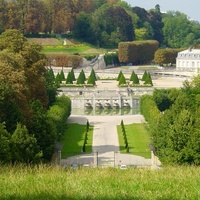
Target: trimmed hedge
137,52
111,59
166,56
59,113
64,60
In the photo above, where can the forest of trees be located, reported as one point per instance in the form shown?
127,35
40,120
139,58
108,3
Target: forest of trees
173,121
100,22
31,116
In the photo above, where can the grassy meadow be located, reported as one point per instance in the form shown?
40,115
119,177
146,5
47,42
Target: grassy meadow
73,139
138,140
53,45
55,183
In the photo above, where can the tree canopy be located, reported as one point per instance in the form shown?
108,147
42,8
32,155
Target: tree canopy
27,89
100,22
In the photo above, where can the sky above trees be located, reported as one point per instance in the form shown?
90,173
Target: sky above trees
191,9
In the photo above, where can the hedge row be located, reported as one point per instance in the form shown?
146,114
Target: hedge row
111,59
137,52
64,60
125,136
166,56
86,136
149,109
59,113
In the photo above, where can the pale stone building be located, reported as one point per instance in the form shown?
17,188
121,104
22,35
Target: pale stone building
188,60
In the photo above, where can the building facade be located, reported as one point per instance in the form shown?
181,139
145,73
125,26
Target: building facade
188,60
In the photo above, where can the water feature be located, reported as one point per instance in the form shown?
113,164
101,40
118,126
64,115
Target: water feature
103,112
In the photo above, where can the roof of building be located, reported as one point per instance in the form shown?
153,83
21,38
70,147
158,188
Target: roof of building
190,53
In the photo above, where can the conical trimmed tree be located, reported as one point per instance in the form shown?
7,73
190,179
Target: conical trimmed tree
144,75
72,75
51,74
62,75
119,75
148,80
58,79
81,78
91,80
132,76
122,80
136,79
69,79
93,74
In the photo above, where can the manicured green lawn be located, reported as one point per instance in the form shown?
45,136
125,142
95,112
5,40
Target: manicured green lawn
73,140
138,140
66,49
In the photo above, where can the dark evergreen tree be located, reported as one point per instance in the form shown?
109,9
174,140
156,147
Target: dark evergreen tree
62,75
132,76
91,80
81,78
51,87
148,80
72,75
5,151
24,146
136,79
93,74
122,80
58,79
119,75
144,75
69,78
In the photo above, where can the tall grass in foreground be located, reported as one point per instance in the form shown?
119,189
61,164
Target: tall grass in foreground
48,182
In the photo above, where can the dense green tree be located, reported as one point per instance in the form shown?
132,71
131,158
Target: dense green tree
5,152
122,80
136,79
72,74
81,78
155,19
58,79
176,29
51,87
24,146
3,16
58,113
43,129
111,25
82,27
144,75
119,75
162,100
93,74
91,79
62,75
148,80
175,131
69,78
132,75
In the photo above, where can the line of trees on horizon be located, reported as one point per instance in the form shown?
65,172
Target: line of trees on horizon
99,22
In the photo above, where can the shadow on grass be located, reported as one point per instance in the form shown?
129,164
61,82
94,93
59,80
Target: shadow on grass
46,196
73,140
